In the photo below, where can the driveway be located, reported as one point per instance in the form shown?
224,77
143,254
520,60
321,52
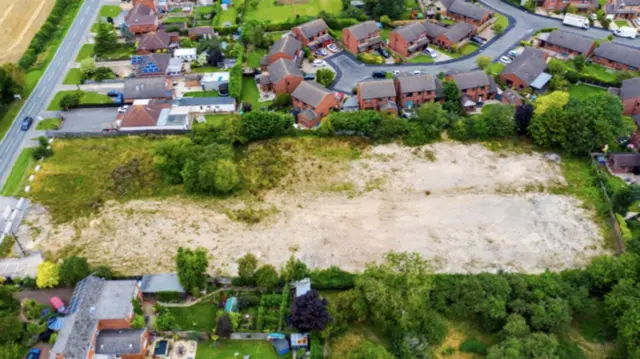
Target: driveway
350,71
42,296
88,119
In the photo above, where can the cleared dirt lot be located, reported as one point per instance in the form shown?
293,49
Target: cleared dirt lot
463,206
20,20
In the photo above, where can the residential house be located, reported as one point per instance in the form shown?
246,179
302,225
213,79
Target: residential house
626,9
511,97
455,35
144,115
201,105
148,3
156,41
98,322
413,91
152,284
616,56
566,44
313,34
361,37
527,69
409,39
186,55
282,76
156,65
313,102
377,95
475,88
204,32
626,162
434,30
285,48
630,96
461,10
141,19
560,5
153,88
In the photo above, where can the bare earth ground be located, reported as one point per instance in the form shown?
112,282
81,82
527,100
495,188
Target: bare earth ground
466,208
20,20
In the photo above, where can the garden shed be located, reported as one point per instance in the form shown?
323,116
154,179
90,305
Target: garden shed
153,284
281,346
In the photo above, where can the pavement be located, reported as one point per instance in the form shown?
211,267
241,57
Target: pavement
88,119
21,267
15,139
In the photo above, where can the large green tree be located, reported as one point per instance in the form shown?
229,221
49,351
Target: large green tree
105,40
391,8
325,76
247,266
428,124
191,266
452,95
259,125
73,269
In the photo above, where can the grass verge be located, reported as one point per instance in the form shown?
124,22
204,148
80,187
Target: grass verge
422,58
201,94
49,124
85,52
88,98
271,11
110,10
18,174
204,69
74,77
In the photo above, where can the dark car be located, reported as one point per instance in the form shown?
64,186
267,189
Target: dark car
478,40
34,353
223,89
26,123
113,93
383,52
379,74
309,76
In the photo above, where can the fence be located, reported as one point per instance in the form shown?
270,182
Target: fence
87,134
612,217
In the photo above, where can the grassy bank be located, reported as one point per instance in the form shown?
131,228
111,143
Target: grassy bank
88,98
18,174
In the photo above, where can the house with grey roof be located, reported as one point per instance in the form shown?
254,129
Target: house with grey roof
287,47
282,76
566,44
376,94
454,35
152,284
475,15
629,94
616,56
409,39
156,64
526,69
152,88
414,91
361,37
475,88
626,9
560,5
313,34
99,321
141,19
312,102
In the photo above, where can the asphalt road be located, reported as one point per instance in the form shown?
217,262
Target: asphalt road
350,71
12,142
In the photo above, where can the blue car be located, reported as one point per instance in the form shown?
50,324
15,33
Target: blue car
26,123
34,353
113,93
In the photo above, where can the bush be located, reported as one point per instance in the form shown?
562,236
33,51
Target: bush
247,301
473,346
169,297
369,58
624,229
332,278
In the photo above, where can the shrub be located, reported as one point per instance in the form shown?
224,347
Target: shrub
169,297
247,300
369,58
473,346
624,229
332,278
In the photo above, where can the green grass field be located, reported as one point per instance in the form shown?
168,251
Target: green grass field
583,90
201,317
228,15
18,174
422,58
87,98
121,52
110,10
227,349
622,23
268,11
253,60
201,94
74,77
49,124
468,49
85,52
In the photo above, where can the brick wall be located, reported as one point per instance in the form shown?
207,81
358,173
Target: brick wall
513,81
287,84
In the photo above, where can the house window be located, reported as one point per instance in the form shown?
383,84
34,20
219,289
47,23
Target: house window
409,94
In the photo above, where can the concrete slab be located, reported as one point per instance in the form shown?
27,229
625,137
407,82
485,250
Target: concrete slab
88,119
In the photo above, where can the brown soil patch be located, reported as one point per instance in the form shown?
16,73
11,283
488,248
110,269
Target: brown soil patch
20,20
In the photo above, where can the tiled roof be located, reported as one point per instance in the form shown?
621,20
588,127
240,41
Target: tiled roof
160,60
466,9
312,28
569,40
311,93
528,65
417,83
376,89
363,29
411,32
473,79
434,30
117,342
459,31
148,88
287,44
619,53
202,30
630,88
141,15
166,282
282,68
143,115
152,41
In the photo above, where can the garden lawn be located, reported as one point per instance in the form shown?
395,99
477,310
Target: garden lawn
74,77
228,15
422,58
250,93
253,60
496,68
502,20
205,69
622,23
49,124
468,49
121,52
276,35
447,22
110,10
13,185
227,349
205,9
201,317
384,33
600,72
175,20
268,11
85,52
409,5
201,94
584,90
453,55
87,98
216,120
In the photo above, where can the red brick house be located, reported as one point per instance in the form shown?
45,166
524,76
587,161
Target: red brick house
627,162
617,56
454,35
626,9
148,3
414,91
629,94
475,87
313,34
377,95
156,41
286,48
409,39
282,76
525,68
141,19
364,36
202,32
566,43
313,102
560,5
511,97
475,15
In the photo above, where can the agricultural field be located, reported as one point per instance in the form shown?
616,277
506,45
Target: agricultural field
20,20
464,207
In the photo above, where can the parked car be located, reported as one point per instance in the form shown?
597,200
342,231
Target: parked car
318,63
417,72
505,60
431,52
333,48
512,54
626,31
478,40
379,74
317,52
384,53
223,89
407,114
113,93
34,353
323,52
123,109
58,304
26,123
308,76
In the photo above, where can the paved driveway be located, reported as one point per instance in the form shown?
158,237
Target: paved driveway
88,119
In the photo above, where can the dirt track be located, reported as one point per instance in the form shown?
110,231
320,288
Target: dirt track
20,20
462,206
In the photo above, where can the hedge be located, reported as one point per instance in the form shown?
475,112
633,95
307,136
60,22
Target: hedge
575,76
624,229
368,58
332,278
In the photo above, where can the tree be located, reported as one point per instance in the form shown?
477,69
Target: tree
226,177
499,120
215,57
267,277
11,351
48,275
247,266
137,322
259,125
253,33
497,28
294,270
385,20
391,8
369,350
70,100
516,327
629,331
428,124
621,200
282,101
224,326
165,321
10,329
558,83
129,37
452,94
483,61
579,62
191,266
534,346
88,67
309,312
557,99
325,77
34,329
105,40
73,269
556,67
524,113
